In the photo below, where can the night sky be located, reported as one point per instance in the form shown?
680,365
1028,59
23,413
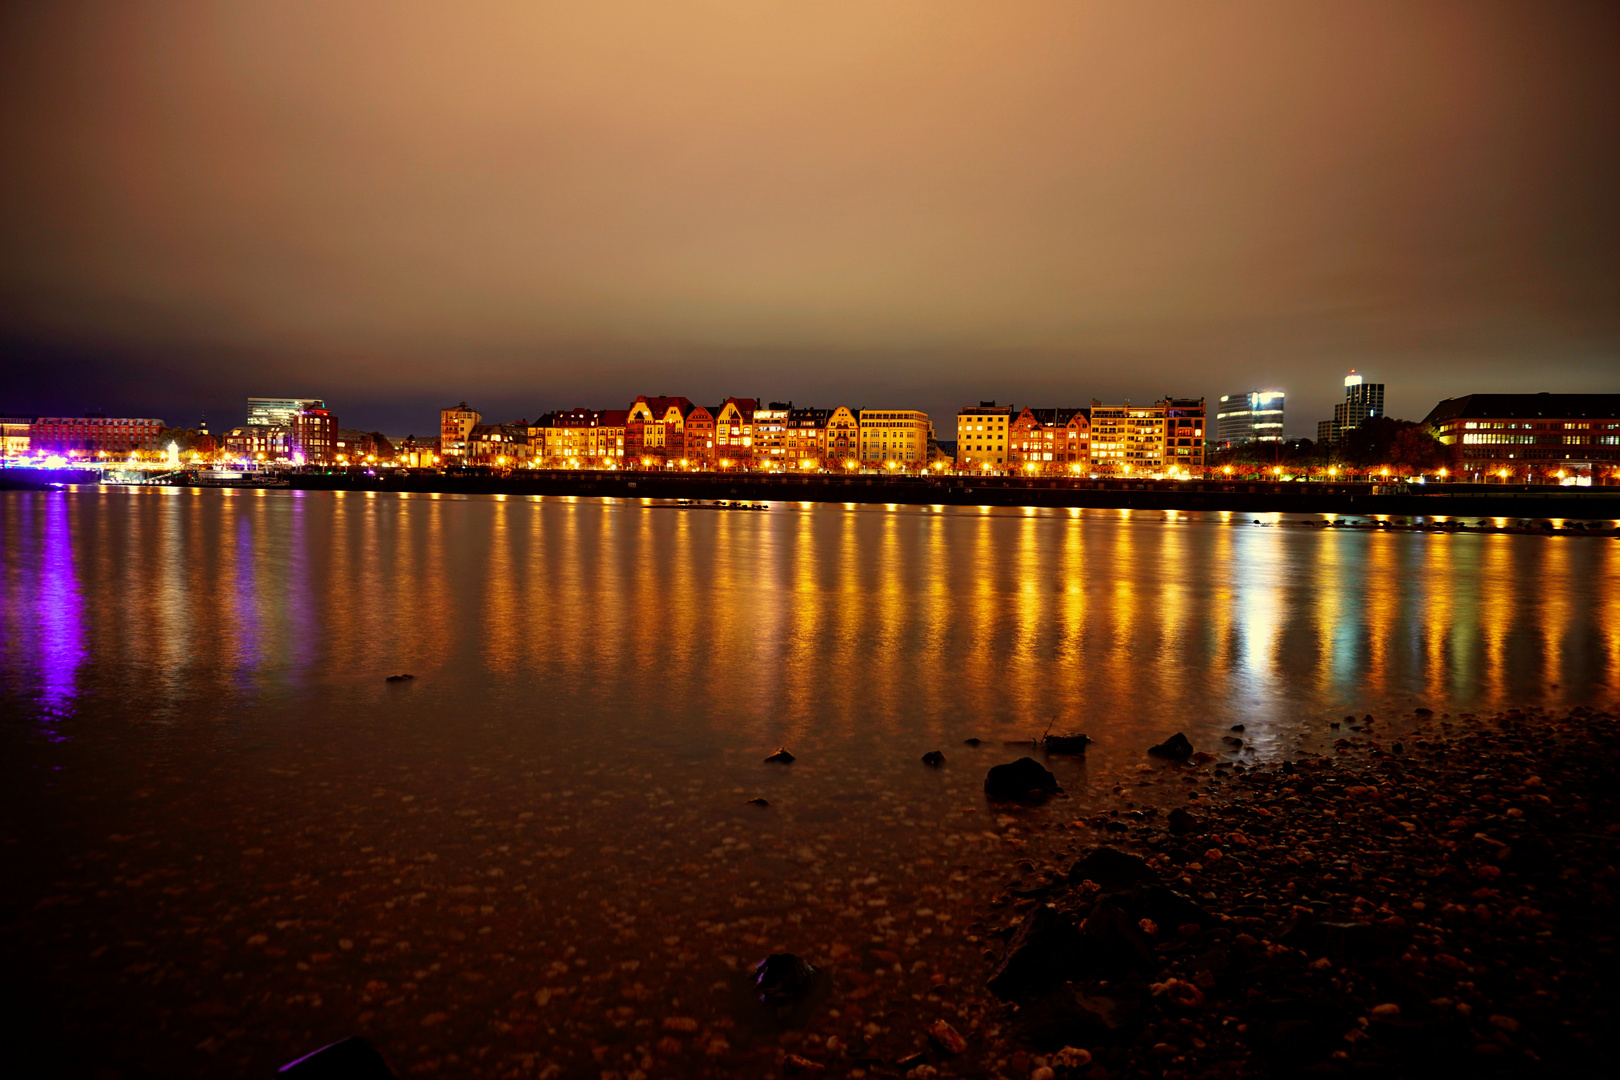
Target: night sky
397,206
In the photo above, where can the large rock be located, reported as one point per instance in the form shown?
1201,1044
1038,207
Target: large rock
1065,744
783,980
1112,869
1042,953
1111,943
1176,748
1020,779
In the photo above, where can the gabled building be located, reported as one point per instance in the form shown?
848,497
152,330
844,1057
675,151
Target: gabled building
843,438
655,431
1050,441
734,431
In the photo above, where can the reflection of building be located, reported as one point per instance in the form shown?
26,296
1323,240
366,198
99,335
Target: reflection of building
1253,417
1050,441
1362,401
88,436
981,435
1148,440
1491,432
455,426
894,435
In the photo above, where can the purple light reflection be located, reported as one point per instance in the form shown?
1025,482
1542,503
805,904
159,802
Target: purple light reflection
59,615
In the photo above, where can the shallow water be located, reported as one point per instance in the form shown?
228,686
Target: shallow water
232,837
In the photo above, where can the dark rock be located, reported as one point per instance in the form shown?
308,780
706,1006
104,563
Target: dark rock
1176,747
1065,744
1111,943
1020,779
781,757
1181,822
1293,1033
1346,942
1237,727
1168,908
1042,953
1081,1016
782,981
934,758
1113,869
757,802
1232,741
393,678
348,1059
970,742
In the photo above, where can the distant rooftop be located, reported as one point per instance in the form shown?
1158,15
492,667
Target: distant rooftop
1526,407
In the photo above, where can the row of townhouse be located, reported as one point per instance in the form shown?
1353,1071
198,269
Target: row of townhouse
658,432
1166,437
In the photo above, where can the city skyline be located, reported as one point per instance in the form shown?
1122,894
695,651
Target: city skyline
929,203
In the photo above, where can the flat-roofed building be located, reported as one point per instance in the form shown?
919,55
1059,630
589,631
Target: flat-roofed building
270,411
1362,401
1050,441
500,446
93,436
981,436
771,434
1255,416
894,435
1550,432
14,438
1164,438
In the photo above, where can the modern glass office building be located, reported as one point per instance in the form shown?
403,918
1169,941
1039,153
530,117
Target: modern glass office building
1256,416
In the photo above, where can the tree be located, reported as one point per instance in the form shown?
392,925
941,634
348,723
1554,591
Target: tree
1383,440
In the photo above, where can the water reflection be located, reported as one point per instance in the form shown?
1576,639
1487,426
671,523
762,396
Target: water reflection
840,626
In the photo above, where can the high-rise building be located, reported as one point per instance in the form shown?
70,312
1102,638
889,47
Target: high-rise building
271,411
981,435
1256,416
1362,401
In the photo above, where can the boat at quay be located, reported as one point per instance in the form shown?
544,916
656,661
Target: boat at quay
1359,499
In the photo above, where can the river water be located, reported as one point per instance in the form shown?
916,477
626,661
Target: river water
231,839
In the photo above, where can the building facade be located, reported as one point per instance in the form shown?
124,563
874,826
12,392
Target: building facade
93,436
455,427
1050,441
1256,416
734,432
499,446
807,437
842,441
981,436
271,411
1538,433
771,434
894,435
1165,438
14,437
655,430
